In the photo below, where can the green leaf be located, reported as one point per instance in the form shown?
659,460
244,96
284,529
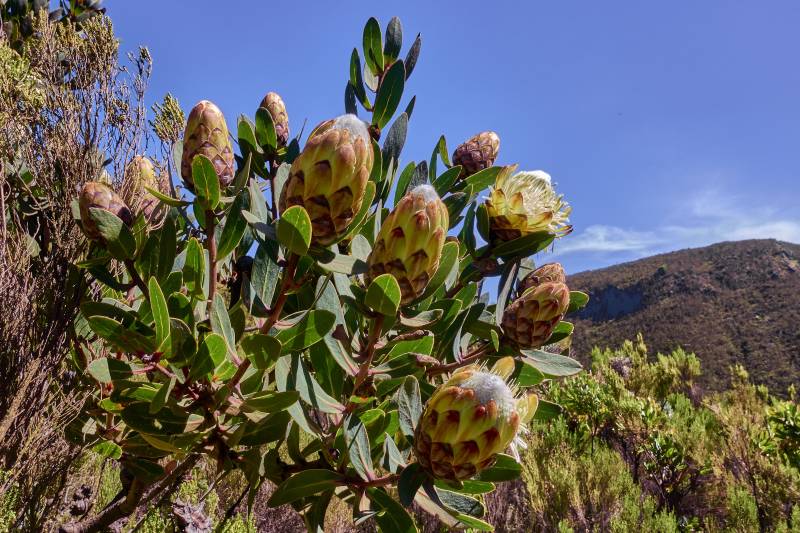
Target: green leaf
527,375
357,81
421,320
395,140
389,94
305,483
265,129
409,405
270,401
206,181
294,230
194,267
411,479
167,246
106,370
524,246
550,364
234,228
577,300
393,519
410,106
264,275
165,199
482,216
161,396
210,354
343,264
394,39
358,447
221,322
366,203
560,332
403,181
443,152
383,295
483,178
314,325
445,181
269,429
507,282
158,306
505,468
119,336
137,416
372,46
447,264
107,449
262,350
118,238
547,411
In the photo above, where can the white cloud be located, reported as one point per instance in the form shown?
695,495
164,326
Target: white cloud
710,217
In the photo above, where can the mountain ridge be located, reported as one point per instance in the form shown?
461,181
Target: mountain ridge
730,302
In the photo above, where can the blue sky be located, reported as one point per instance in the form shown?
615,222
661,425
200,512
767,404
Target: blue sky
666,125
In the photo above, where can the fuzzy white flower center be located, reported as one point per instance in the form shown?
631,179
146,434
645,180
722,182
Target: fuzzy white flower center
488,386
427,192
353,124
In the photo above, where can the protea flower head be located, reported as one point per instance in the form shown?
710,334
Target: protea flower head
141,173
409,244
477,153
329,177
552,272
273,103
524,203
100,196
530,319
469,419
207,134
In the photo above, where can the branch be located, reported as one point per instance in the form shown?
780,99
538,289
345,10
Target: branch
363,369
110,514
137,279
469,359
211,244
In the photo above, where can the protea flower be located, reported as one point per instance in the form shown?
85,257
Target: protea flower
329,177
141,173
273,103
100,196
530,319
207,134
524,203
409,244
552,272
469,419
477,153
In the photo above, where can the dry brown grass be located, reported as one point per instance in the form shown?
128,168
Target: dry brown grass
70,113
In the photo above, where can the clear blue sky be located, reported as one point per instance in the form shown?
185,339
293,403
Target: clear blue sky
665,124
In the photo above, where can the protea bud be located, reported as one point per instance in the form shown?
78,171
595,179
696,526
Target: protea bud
329,177
551,272
100,196
469,419
477,153
524,203
530,319
139,174
273,103
207,134
409,244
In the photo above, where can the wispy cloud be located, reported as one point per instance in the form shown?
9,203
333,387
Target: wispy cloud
710,217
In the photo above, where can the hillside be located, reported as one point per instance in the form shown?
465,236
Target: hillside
732,302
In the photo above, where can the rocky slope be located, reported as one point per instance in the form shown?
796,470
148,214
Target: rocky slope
732,302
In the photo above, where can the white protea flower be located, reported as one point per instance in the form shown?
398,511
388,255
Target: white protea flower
524,203
471,418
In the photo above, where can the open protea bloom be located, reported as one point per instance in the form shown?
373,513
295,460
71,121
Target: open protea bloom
469,419
409,244
553,272
207,134
273,103
477,153
100,196
530,319
329,177
524,203
141,173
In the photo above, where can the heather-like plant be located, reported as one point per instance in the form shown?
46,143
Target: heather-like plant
333,336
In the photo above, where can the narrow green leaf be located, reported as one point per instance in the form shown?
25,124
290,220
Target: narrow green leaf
305,483
121,337
118,238
210,354
262,350
234,228
383,295
577,300
445,181
550,364
265,130
194,267
409,404
394,518
411,479
358,447
389,94
394,39
412,56
161,396
158,305
505,468
372,43
547,411
447,264
356,81
314,325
